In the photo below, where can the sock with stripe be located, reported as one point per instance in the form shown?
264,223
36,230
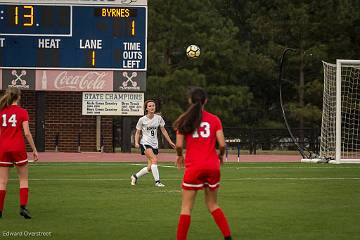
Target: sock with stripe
183,227
222,223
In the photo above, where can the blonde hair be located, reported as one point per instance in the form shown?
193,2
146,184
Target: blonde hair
11,95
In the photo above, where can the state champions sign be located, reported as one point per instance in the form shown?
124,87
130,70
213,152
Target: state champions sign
113,103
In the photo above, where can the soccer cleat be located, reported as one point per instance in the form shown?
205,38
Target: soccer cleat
133,180
0,214
159,184
25,213
228,238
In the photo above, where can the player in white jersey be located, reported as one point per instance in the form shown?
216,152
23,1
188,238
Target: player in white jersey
147,126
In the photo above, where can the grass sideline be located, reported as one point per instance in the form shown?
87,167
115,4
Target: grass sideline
263,201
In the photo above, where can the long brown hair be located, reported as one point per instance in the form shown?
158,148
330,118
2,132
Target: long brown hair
11,95
146,103
191,118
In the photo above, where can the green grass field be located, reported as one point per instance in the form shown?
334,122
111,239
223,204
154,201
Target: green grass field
262,201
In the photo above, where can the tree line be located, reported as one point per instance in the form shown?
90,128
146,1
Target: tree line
241,44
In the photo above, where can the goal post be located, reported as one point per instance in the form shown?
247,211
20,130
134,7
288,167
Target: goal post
340,127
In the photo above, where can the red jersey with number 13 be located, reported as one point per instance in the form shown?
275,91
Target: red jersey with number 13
11,119
201,145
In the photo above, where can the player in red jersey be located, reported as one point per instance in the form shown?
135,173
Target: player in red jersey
200,129
13,119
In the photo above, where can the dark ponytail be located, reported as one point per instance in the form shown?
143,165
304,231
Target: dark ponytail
11,95
191,118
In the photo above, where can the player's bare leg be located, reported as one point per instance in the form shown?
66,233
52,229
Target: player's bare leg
211,199
187,204
149,162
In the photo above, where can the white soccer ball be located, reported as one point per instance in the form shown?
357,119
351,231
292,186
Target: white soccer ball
193,51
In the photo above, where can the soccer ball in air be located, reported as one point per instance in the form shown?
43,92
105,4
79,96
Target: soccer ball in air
193,51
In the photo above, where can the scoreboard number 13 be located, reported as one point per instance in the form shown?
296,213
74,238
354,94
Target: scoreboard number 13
28,15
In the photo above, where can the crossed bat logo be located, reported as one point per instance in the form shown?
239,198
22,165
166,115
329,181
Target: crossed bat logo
18,77
129,79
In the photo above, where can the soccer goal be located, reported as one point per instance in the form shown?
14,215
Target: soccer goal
340,128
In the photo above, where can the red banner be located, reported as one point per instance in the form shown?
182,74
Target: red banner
68,80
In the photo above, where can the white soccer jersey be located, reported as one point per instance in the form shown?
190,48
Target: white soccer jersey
149,129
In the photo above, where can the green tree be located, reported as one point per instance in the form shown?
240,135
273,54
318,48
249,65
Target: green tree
319,30
174,26
241,44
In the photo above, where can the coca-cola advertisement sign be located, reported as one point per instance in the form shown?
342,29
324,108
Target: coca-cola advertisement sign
67,80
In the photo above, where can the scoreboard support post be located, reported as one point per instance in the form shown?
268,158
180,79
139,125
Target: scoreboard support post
98,133
126,135
40,121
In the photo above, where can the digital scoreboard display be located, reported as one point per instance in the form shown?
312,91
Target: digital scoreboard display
35,20
38,35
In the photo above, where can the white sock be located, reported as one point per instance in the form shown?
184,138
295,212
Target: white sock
142,172
155,172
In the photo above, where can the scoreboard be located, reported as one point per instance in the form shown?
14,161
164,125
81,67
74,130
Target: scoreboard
73,34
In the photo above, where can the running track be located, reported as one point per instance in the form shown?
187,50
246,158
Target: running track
136,157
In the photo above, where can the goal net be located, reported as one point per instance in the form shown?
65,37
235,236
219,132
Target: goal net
340,128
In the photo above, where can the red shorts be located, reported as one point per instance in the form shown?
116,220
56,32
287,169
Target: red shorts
9,159
197,179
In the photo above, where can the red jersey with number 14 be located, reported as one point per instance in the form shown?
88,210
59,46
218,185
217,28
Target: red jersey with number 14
201,145
11,119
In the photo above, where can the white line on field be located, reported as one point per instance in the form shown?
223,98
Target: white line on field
294,167
96,164
292,178
164,166
172,166
178,179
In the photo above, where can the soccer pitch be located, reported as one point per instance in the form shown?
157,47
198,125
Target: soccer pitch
263,201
